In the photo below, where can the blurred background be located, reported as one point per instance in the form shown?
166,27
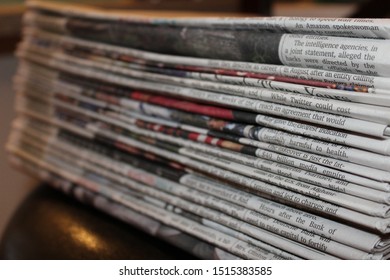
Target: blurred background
14,185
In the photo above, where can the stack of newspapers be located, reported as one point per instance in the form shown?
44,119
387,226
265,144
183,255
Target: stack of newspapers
232,138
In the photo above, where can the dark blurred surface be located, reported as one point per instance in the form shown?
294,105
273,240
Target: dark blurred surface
8,44
372,9
14,184
51,225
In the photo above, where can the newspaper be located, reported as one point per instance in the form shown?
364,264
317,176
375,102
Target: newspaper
360,111
71,87
320,104
327,228
343,54
217,139
197,209
186,242
265,165
276,192
303,143
304,75
265,154
169,186
97,58
343,93
257,165
367,28
143,60
269,155
337,121
226,174
230,127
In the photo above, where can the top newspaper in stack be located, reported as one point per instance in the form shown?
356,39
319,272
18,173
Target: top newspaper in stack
239,40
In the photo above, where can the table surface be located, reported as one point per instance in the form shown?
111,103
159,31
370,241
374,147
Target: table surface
51,225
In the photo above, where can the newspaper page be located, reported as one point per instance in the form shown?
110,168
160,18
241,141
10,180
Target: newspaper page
337,121
308,156
304,75
344,54
194,136
337,185
366,28
327,134
251,161
359,111
265,154
366,193
303,143
285,195
377,99
270,82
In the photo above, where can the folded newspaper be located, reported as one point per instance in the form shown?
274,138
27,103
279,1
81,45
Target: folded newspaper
238,138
